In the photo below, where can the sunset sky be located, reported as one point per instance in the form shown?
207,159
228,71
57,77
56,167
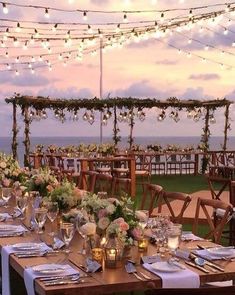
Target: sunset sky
150,68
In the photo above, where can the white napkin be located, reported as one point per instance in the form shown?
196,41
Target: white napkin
189,236
30,276
210,256
179,279
5,253
4,216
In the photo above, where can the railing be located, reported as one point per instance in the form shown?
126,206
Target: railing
157,163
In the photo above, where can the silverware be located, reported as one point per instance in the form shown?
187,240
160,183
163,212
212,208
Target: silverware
130,268
73,277
209,263
11,235
197,266
57,283
145,276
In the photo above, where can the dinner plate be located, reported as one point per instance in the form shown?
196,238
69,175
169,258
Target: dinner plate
221,251
164,266
51,269
27,246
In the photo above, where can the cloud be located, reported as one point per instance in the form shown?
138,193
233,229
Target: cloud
195,93
205,77
25,79
70,92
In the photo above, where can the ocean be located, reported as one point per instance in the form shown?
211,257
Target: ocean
215,142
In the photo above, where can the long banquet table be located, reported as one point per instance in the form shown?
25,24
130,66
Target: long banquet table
105,282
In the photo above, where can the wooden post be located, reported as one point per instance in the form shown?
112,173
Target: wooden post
26,135
226,127
205,140
132,123
15,132
116,137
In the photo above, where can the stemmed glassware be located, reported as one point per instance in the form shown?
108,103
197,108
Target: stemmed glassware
52,212
40,215
143,217
67,231
21,204
81,219
6,194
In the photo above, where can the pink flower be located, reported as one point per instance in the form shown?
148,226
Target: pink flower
6,182
137,233
124,226
49,188
102,213
119,220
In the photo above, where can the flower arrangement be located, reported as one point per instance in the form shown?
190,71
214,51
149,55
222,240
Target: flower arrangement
188,148
66,195
52,148
43,181
10,171
113,216
106,148
137,148
154,147
39,148
173,148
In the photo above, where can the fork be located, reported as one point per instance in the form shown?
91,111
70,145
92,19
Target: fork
130,268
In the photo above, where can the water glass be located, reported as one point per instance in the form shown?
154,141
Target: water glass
67,231
52,212
173,237
40,215
21,204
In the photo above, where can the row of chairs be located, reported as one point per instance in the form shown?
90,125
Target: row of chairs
155,197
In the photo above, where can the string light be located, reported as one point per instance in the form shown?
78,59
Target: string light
47,15
54,28
4,8
125,20
85,16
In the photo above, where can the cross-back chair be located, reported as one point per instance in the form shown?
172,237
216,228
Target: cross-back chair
169,197
103,182
216,223
151,197
121,185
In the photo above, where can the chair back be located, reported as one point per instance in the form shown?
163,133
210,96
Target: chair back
182,198
216,223
121,185
151,197
103,182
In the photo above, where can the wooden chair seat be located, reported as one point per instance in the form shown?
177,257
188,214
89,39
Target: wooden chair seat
142,172
103,169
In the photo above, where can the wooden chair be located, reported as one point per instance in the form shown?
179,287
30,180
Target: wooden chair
121,185
87,180
151,197
173,164
216,223
188,164
103,182
170,198
143,170
158,165
229,290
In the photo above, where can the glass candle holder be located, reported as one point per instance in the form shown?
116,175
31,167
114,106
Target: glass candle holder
143,244
97,255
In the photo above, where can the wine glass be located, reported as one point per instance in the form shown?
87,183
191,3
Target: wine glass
81,219
6,194
67,232
143,216
40,215
52,212
21,204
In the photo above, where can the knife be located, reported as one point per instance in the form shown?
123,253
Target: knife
197,266
208,262
63,283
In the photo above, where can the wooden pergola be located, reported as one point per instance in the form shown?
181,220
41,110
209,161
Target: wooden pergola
96,104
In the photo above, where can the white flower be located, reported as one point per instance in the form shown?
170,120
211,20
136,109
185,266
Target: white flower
141,215
110,209
88,229
103,223
3,165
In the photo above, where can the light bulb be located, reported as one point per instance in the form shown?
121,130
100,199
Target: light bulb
125,18
17,73
47,15
18,28
55,28
85,16
32,71
4,8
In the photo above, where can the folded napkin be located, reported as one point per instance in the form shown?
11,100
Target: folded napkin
13,229
179,279
208,254
189,236
4,216
30,275
5,253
